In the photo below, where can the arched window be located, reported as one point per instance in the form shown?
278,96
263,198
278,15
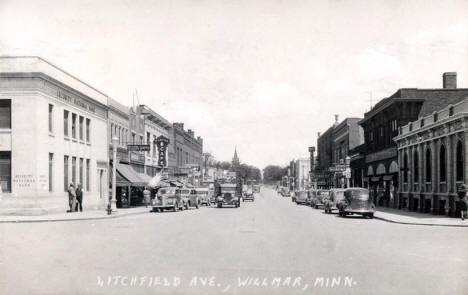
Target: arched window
416,166
428,166
442,157
460,166
405,168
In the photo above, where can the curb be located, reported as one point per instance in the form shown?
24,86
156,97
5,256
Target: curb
424,224
73,219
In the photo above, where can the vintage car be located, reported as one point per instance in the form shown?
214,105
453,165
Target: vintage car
203,194
284,191
356,201
336,195
228,195
168,198
248,195
317,198
191,196
300,197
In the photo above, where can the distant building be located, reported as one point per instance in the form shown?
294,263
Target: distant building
235,159
302,168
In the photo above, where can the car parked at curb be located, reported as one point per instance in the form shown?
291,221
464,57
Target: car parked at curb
336,195
356,201
168,198
317,198
190,197
300,197
203,194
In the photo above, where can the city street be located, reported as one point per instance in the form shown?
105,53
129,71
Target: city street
282,247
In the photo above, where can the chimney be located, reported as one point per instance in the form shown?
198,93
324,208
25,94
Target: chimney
336,118
179,125
190,132
449,80
318,134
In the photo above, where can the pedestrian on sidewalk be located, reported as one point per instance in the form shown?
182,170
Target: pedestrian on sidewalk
146,196
463,201
79,198
71,197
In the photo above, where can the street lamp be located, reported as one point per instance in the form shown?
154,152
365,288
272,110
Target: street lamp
112,200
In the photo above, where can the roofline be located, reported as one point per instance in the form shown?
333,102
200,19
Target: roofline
58,68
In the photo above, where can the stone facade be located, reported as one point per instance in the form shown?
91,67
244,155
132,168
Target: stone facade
58,135
431,152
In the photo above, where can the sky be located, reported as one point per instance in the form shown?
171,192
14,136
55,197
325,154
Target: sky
264,76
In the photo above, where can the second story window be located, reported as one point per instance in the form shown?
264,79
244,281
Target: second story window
451,111
73,125
436,117
51,116
81,127
422,122
88,126
65,122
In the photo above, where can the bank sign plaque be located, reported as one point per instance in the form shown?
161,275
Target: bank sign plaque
138,147
162,142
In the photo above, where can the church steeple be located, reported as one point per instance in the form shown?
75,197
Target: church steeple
235,159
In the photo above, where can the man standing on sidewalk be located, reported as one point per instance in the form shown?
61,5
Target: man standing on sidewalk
71,197
79,198
463,201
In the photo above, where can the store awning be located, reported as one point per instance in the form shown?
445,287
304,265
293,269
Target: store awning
375,178
387,177
130,175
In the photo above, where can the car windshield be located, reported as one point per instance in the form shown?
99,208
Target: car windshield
185,191
323,194
302,194
202,192
359,194
228,189
339,195
166,191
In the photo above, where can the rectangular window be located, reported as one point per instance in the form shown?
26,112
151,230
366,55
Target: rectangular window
133,138
81,127
65,173
73,125
74,170
88,125
65,122
88,163
5,171
81,172
51,167
141,139
148,139
51,116
5,113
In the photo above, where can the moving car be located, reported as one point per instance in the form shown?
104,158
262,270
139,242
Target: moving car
317,198
191,196
228,195
168,198
248,195
300,197
356,201
203,194
336,195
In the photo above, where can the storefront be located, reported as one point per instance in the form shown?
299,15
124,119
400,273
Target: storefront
51,135
129,186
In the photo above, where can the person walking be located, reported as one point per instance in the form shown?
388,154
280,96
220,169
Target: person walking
146,196
463,201
79,198
71,197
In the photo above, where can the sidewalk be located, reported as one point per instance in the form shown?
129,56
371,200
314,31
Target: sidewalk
414,218
85,215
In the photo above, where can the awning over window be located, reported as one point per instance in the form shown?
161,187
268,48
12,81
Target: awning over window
130,175
375,178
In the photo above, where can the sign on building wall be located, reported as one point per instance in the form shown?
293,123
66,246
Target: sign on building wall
162,142
138,147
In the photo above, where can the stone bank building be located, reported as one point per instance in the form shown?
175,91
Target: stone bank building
51,134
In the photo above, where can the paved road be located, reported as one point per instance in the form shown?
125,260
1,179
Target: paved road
289,249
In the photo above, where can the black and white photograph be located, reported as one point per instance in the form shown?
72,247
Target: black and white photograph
233,147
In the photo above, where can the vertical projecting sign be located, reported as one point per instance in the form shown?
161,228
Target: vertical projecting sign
162,143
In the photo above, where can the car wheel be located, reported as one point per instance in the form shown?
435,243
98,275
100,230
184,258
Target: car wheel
371,215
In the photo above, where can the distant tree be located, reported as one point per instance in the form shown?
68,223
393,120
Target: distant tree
274,173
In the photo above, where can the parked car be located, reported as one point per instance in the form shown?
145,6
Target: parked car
248,195
168,198
189,196
203,194
336,195
300,197
229,195
317,198
285,191
356,201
